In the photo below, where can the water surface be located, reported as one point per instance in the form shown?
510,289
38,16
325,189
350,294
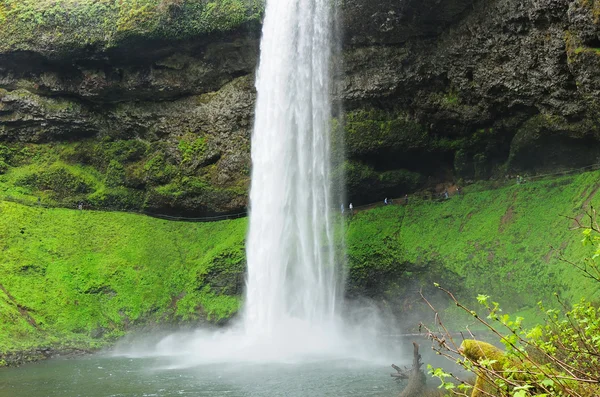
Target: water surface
104,376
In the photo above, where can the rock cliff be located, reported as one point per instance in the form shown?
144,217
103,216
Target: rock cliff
471,89
151,107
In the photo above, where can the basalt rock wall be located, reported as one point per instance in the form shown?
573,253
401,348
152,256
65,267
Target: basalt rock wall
469,90
156,113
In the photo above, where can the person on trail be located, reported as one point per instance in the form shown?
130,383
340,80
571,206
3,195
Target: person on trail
457,191
351,207
385,202
80,206
446,194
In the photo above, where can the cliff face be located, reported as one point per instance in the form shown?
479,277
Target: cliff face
472,89
153,109
149,108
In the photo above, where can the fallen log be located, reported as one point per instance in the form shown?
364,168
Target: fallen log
415,375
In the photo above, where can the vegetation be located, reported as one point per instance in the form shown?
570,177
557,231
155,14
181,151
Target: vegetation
368,131
557,358
83,278
132,175
27,24
505,242
393,140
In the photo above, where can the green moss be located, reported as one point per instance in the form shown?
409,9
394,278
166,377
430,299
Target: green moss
191,147
546,125
451,98
117,198
67,25
158,169
78,272
580,50
370,131
364,181
48,104
51,173
574,45
115,174
503,242
61,179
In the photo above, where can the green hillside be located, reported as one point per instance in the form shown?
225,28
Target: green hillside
84,278
504,242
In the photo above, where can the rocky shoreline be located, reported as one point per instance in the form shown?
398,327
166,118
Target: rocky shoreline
28,356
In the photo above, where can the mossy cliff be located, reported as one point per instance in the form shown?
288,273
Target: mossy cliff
63,27
188,156
432,91
150,101
81,279
471,89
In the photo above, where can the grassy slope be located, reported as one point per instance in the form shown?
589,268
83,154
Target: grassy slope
81,272
505,243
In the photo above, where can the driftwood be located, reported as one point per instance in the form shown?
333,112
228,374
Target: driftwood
416,377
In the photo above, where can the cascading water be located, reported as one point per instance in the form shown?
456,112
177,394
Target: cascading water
291,263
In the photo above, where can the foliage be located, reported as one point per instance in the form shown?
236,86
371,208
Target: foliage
59,178
503,241
116,175
25,24
557,358
191,148
158,169
69,275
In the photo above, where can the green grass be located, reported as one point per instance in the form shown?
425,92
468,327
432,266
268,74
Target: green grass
86,277
81,273
506,243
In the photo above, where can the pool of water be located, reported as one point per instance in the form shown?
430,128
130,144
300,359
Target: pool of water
104,376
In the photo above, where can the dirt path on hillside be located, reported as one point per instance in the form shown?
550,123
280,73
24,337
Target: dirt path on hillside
24,313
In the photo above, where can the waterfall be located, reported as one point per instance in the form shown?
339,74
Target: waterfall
291,262
291,309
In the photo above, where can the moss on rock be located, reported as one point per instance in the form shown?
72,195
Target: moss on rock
65,26
371,131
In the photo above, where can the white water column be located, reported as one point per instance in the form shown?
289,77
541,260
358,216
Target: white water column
292,282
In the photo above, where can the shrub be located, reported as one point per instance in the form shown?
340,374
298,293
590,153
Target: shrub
59,179
115,174
560,357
